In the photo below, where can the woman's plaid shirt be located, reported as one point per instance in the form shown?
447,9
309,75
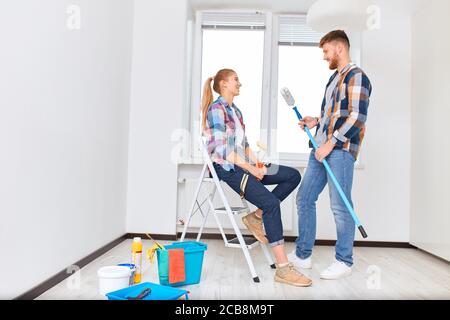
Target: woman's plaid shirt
220,132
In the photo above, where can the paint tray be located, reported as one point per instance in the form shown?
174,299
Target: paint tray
158,292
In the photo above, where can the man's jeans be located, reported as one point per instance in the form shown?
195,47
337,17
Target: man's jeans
314,181
286,179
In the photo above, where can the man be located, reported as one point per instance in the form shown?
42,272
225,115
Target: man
339,134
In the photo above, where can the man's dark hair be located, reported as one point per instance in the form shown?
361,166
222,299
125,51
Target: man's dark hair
336,35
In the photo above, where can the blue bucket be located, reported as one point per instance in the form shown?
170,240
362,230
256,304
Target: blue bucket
193,261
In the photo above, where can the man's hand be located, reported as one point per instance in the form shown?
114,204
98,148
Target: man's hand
324,151
310,122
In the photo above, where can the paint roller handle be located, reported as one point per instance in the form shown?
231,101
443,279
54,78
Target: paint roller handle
363,232
141,295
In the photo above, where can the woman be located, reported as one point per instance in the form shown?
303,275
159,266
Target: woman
233,160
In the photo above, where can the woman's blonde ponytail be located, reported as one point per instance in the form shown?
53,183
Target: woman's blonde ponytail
207,99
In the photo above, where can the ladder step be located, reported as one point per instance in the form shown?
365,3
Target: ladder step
250,241
234,210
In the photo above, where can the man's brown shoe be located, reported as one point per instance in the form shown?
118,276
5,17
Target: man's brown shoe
255,226
289,275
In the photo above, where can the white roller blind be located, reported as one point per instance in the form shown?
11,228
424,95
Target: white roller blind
295,31
230,20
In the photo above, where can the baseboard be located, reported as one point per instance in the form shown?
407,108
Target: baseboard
62,275
169,237
370,244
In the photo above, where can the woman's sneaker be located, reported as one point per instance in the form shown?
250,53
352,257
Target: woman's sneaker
255,226
289,275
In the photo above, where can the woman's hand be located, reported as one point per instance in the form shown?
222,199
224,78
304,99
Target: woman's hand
310,122
259,173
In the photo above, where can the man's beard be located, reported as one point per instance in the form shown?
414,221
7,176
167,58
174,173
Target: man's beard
334,64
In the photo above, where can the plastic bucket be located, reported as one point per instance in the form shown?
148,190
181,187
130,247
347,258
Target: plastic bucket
113,278
193,261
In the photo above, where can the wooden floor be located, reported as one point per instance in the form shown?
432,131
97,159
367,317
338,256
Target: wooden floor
378,273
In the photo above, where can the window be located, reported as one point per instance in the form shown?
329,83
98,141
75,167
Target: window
268,52
241,50
301,68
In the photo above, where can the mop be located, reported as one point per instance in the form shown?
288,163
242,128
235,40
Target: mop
291,102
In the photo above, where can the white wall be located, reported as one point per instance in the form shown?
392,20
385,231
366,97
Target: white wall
430,174
64,103
381,190
157,103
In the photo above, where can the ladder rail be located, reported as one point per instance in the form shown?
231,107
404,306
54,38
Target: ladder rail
189,214
211,205
211,209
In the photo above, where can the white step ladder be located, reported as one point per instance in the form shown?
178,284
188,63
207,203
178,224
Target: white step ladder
244,242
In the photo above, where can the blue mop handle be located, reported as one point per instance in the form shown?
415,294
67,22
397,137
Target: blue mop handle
333,177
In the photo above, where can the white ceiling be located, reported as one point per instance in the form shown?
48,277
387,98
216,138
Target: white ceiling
294,6
283,6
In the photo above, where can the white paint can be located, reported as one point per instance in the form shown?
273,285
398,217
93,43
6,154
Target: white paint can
113,278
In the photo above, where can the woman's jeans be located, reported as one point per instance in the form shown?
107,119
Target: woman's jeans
286,179
314,181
